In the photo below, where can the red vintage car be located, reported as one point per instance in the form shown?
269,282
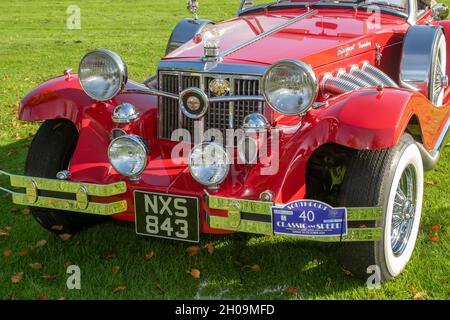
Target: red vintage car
309,119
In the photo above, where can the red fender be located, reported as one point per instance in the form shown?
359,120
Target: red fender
369,119
63,98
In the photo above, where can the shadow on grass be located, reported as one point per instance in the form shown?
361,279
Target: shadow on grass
226,274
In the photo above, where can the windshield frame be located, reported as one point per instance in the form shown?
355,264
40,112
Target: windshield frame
410,15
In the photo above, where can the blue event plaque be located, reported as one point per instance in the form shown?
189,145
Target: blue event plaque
309,218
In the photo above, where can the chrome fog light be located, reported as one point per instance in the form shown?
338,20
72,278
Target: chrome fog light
128,155
255,122
125,113
209,163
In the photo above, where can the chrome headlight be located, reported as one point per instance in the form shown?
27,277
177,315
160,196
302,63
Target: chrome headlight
102,74
209,163
290,87
128,155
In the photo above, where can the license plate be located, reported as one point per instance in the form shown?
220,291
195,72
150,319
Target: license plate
167,216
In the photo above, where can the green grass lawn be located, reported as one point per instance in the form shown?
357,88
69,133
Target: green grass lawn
34,46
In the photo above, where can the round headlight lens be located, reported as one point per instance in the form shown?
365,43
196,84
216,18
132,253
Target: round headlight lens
128,155
102,74
290,87
209,163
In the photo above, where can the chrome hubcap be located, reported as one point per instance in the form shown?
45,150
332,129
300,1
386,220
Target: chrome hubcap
404,210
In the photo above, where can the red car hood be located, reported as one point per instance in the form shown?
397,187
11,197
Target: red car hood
317,39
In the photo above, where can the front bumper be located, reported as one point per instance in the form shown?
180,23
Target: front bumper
256,217
247,216
66,195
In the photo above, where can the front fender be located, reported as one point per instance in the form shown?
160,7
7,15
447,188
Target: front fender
63,98
369,119
60,97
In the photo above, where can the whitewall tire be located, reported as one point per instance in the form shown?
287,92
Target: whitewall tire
391,179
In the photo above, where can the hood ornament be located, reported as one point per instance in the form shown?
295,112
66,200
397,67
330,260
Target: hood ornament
211,44
192,6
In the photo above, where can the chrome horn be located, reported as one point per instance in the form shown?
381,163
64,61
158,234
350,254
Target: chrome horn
440,11
192,6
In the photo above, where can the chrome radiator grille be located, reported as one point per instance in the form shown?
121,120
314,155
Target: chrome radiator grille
220,115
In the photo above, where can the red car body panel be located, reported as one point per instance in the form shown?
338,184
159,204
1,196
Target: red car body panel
363,119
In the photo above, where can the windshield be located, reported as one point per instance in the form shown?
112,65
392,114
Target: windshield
399,5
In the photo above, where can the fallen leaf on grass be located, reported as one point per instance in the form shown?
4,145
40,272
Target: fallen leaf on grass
291,290
8,228
61,298
65,236
49,277
149,255
67,264
12,152
347,272
7,252
420,295
14,210
115,269
110,256
436,227
193,250
119,289
23,253
411,288
158,286
434,238
209,247
35,265
57,227
41,243
15,279
195,273
13,297
26,211
430,182
3,233
253,267
42,297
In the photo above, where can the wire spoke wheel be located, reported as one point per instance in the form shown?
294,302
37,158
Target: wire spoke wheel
404,210
439,81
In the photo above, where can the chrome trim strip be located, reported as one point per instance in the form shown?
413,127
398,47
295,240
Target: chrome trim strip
217,68
145,90
231,106
237,98
160,128
267,33
442,136
215,99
